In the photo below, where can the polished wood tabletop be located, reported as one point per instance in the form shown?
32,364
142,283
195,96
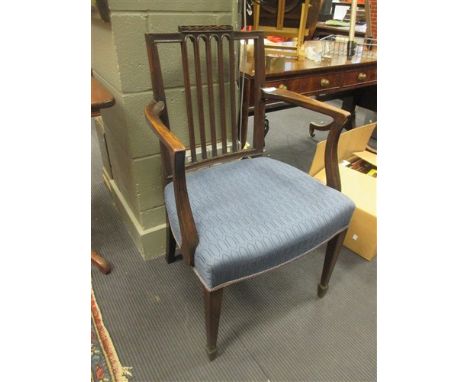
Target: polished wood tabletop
100,97
276,66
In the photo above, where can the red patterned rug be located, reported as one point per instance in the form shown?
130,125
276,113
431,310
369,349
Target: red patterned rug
105,364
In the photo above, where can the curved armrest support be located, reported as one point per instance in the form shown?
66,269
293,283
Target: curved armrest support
176,151
340,118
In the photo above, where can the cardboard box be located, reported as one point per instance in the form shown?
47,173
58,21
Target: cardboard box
360,187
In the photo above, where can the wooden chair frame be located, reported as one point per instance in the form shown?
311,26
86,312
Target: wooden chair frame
300,32
173,151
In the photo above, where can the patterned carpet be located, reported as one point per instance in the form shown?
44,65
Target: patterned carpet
273,327
105,364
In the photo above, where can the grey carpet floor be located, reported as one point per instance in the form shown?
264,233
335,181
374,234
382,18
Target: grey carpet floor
273,327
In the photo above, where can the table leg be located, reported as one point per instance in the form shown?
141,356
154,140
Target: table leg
99,261
349,104
267,127
313,126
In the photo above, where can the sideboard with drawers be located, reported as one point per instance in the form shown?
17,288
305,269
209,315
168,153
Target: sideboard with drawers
353,80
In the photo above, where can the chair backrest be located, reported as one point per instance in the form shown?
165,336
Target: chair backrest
210,57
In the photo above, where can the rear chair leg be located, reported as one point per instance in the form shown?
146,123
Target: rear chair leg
170,244
331,255
212,312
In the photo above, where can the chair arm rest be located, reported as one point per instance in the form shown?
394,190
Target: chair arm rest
176,151
340,118
167,137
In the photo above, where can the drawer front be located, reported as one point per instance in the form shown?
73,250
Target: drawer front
317,83
288,84
360,76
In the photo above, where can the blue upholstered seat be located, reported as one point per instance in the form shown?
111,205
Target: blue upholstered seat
255,214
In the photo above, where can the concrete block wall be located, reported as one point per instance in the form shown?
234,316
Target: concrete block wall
119,61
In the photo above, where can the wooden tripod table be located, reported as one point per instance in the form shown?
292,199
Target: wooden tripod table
100,99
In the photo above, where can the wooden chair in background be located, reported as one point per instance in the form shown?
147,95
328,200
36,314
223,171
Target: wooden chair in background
233,219
287,18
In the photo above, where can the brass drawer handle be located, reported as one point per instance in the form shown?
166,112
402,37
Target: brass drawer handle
324,82
362,76
282,86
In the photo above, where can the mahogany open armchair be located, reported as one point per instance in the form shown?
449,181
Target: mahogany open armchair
233,219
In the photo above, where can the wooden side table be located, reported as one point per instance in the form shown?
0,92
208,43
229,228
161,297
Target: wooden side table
101,98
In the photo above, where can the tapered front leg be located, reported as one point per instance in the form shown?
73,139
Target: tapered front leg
212,312
331,255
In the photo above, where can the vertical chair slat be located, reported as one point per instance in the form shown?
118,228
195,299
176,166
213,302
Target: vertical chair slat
222,102
245,113
232,92
259,112
280,14
256,14
188,99
199,86
209,75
